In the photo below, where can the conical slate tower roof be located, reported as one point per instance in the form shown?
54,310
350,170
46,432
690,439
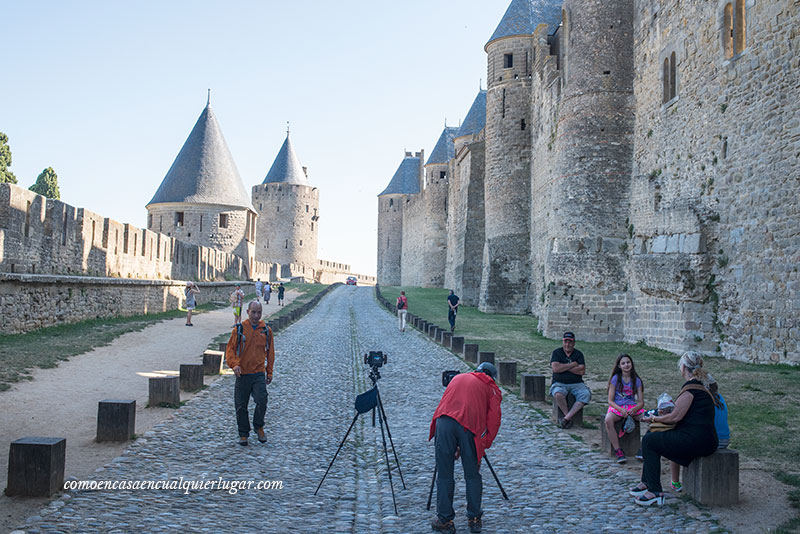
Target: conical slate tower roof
444,150
476,116
286,168
204,171
406,180
522,17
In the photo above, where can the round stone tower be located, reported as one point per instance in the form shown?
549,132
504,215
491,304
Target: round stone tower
594,150
202,200
391,203
288,209
435,198
506,257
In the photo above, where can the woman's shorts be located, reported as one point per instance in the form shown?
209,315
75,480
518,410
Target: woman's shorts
615,412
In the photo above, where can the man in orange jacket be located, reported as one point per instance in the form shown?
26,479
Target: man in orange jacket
465,423
248,349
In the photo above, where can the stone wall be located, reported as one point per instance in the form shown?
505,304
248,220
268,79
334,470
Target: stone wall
32,301
504,280
715,178
390,238
465,219
434,223
412,259
288,223
45,236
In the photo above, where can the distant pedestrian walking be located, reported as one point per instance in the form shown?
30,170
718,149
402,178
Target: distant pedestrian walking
267,292
402,311
190,292
237,297
259,289
281,291
452,309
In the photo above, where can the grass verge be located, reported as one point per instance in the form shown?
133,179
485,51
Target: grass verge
44,348
762,399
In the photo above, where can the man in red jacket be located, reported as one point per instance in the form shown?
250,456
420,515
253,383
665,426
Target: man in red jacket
465,424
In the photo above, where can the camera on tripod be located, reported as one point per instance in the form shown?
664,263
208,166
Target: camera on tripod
447,376
375,359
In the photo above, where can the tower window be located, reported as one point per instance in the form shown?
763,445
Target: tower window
201,223
508,61
301,242
306,208
178,218
669,78
286,245
223,220
442,175
150,221
522,124
391,202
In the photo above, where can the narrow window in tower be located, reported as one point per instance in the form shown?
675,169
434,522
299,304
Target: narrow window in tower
178,218
144,244
64,231
223,220
301,242
522,124
116,241
442,175
665,97
135,245
150,221
93,224
673,78
312,227
160,223
504,103
286,245
508,61
391,202
306,208
260,206
727,31
739,28
201,223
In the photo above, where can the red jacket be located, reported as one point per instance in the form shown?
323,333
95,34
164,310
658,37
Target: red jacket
472,399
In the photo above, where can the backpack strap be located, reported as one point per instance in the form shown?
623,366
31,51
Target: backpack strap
698,387
240,339
267,334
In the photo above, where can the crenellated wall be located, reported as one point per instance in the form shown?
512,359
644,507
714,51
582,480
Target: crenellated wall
45,236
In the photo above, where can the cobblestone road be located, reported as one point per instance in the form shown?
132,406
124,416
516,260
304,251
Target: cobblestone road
555,483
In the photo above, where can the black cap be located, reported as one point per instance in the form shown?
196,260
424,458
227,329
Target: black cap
569,335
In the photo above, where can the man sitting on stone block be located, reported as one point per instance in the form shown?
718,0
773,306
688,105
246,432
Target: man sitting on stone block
250,352
568,369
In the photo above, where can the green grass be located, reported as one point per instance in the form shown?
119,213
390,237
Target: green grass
44,348
763,425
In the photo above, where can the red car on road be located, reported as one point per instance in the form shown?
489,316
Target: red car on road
351,281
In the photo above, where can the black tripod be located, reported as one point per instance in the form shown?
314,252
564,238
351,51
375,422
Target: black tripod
433,482
370,400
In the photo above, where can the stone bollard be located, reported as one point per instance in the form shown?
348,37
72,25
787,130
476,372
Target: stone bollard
36,467
432,330
471,352
438,335
116,420
163,391
508,373
446,337
191,376
629,443
222,346
212,362
457,344
532,388
714,480
486,357
423,325
577,419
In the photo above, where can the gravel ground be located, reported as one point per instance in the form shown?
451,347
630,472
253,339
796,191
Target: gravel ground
555,484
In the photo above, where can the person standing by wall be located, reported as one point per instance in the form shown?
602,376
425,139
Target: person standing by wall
267,292
237,297
281,291
259,287
402,311
190,292
452,309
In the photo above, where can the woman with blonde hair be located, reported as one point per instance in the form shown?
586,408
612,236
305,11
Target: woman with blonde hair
694,434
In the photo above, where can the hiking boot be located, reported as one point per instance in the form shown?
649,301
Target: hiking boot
677,487
262,438
242,441
475,524
620,456
443,526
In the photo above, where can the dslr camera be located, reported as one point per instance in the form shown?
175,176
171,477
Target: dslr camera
447,376
375,359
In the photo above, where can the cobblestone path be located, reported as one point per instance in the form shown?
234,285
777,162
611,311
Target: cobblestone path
555,484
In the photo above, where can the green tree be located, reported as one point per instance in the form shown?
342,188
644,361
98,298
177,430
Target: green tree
47,184
6,176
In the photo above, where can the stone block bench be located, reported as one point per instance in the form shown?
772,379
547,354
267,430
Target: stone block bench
714,480
629,443
212,362
36,467
508,373
457,344
164,390
486,357
191,376
116,420
577,419
471,352
532,387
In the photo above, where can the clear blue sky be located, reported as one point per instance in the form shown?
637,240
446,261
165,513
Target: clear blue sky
107,92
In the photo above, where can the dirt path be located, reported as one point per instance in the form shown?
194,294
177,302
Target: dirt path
62,402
